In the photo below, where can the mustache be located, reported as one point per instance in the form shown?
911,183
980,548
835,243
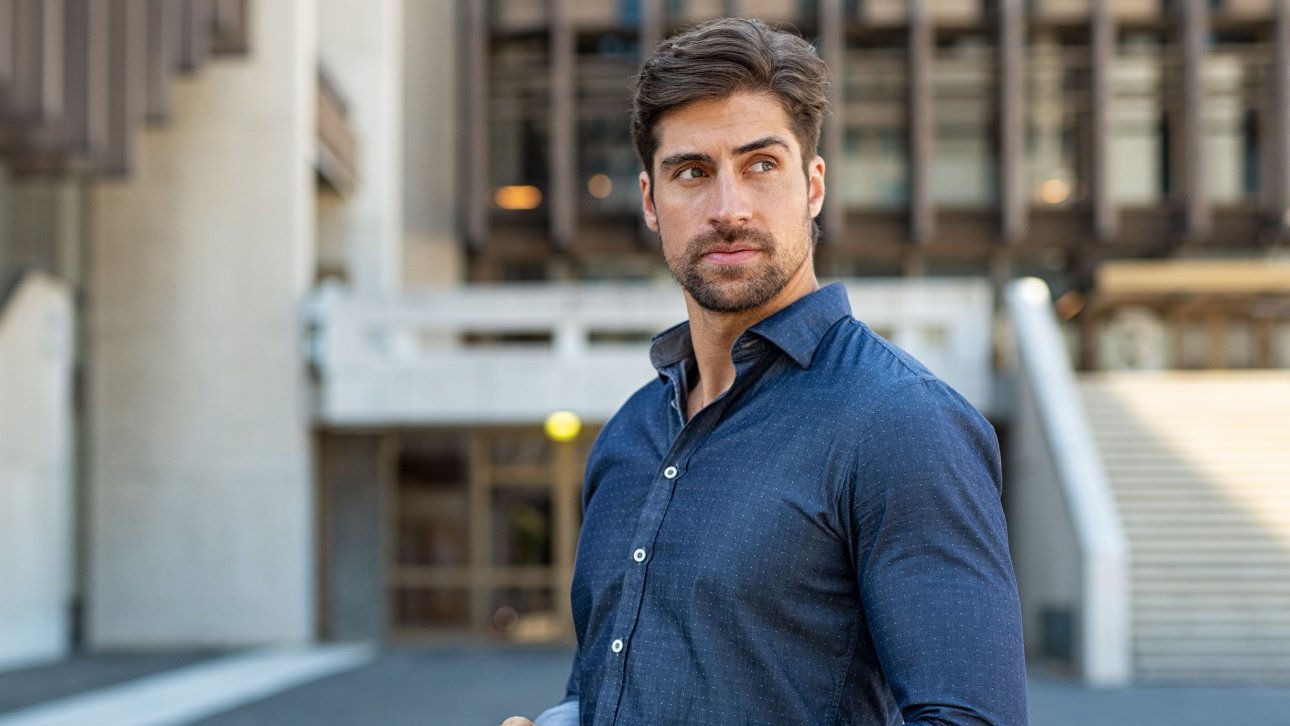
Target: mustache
727,235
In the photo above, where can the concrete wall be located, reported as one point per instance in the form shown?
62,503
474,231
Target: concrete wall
1045,550
36,500
200,466
431,197
361,44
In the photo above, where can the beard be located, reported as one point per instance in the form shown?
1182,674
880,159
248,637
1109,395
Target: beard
736,288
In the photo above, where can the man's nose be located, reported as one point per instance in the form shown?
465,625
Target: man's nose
730,205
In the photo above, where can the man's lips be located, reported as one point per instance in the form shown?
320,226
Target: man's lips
731,256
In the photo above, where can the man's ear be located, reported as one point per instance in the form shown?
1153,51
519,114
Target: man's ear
815,186
647,202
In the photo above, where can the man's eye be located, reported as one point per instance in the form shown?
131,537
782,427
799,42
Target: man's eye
692,172
763,165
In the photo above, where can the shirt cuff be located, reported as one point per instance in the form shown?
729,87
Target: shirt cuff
565,714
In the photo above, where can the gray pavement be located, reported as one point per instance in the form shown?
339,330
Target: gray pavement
467,685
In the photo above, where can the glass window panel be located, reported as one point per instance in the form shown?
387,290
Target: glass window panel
963,166
607,166
874,169
1138,140
1056,119
1222,123
519,126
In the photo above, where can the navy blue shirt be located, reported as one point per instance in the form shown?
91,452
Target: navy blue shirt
822,544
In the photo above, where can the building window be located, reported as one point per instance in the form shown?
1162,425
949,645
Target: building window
1140,158
874,169
608,169
519,133
1057,122
964,169
1235,112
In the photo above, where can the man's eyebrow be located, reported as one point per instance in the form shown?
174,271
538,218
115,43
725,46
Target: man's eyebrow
760,144
683,158
692,156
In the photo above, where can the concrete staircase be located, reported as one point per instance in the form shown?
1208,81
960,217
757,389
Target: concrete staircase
1200,467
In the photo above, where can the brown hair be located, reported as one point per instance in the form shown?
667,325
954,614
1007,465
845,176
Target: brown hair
726,56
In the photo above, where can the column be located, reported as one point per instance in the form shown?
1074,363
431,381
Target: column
1012,122
200,471
922,222
1105,215
360,42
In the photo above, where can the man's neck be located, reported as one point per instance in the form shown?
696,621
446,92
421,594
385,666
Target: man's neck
713,335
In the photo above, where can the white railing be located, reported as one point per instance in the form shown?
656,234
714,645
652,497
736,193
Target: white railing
514,353
1059,492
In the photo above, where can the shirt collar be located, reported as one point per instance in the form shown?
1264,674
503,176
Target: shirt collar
796,330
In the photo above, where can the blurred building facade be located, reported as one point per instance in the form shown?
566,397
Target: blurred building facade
302,405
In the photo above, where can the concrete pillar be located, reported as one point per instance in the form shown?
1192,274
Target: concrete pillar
1014,203
200,475
833,50
922,133
432,194
361,43
1106,220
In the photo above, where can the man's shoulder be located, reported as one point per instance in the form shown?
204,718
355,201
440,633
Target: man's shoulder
864,364
865,378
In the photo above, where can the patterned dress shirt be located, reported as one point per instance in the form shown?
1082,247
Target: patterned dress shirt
822,544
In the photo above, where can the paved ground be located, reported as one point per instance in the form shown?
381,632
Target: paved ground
473,685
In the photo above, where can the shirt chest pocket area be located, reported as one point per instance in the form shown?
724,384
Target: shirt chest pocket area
745,532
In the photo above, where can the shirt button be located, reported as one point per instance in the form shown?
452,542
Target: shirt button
617,645
670,472
639,555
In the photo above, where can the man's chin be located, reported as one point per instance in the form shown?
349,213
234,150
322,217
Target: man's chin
731,298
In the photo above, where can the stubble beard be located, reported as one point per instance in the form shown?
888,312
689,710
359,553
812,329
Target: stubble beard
737,288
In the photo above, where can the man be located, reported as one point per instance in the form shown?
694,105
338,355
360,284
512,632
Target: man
796,523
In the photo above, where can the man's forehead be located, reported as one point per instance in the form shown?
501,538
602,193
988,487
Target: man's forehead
723,125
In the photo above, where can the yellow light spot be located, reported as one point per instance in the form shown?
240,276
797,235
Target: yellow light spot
600,186
518,196
1055,191
562,426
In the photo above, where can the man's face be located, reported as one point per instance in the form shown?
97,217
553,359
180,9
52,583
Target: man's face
731,203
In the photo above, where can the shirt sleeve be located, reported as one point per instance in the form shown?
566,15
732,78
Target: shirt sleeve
565,713
931,550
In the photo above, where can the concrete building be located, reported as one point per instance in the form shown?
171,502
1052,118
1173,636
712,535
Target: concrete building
329,264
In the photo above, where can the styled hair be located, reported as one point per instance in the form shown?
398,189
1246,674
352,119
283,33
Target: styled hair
722,57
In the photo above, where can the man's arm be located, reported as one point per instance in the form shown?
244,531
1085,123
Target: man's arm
936,578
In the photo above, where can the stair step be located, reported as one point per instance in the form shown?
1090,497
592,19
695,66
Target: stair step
1211,631
1188,544
1186,590
1199,465
1239,572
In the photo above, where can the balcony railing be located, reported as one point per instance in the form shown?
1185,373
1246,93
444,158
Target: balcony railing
515,353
